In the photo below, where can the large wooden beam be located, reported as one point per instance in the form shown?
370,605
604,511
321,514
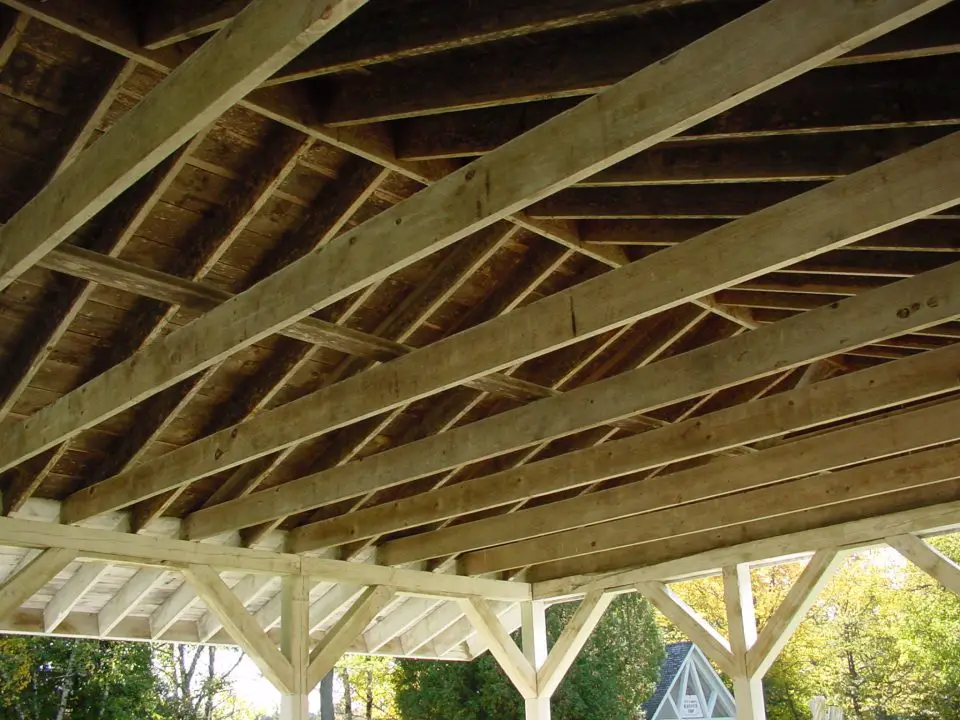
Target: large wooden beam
929,467
502,183
798,340
831,400
261,40
864,525
166,553
871,440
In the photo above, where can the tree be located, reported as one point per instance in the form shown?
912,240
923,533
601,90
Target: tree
615,672
191,685
43,677
367,691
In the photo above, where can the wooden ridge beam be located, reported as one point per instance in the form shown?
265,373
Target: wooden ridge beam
859,443
885,476
576,63
916,184
523,182
773,348
218,75
846,396
859,99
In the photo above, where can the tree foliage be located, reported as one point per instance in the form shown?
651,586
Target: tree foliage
612,676
44,678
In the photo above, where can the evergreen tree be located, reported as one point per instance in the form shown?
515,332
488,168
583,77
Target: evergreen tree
612,676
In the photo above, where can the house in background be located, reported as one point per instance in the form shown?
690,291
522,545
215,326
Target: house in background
689,688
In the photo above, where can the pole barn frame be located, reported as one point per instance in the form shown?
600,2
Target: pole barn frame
316,361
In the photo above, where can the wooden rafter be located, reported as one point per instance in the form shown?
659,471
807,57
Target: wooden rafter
859,443
862,25
218,75
802,339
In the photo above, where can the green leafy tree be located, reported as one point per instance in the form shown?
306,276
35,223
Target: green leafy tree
44,678
612,676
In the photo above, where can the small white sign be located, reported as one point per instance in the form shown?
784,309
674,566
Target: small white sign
691,707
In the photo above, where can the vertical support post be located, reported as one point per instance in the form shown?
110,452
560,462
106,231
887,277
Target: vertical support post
295,644
534,641
742,624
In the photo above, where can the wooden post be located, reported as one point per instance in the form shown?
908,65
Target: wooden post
295,644
742,624
534,641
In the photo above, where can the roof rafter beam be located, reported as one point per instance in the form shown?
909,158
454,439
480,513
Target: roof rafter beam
875,199
871,440
509,181
835,399
796,341
263,37
861,483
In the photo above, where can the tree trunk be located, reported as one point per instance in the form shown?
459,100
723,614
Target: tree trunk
67,688
209,686
369,695
326,697
347,694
